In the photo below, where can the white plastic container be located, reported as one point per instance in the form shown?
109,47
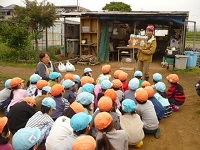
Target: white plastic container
85,29
181,61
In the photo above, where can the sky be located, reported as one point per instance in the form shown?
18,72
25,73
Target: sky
193,6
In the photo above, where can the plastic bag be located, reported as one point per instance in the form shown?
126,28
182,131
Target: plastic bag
62,67
69,66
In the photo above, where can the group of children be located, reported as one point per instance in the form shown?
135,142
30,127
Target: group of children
81,113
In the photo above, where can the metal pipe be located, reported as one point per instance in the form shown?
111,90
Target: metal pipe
194,40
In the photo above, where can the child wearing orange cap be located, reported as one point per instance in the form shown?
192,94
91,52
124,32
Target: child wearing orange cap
117,86
145,83
4,134
84,142
145,109
116,74
106,70
40,84
17,93
175,93
20,113
108,137
123,77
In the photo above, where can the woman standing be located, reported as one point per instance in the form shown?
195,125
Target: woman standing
45,66
145,55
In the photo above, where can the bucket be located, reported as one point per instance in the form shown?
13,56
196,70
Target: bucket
181,61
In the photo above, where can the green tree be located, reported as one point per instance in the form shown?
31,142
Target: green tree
42,15
117,6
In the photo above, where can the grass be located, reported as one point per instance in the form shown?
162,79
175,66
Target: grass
198,111
195,70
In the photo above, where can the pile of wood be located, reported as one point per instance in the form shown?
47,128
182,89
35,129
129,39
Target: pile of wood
87,59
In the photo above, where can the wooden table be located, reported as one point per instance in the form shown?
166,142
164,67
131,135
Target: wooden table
130,51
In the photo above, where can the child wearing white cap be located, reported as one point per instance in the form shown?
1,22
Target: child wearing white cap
69,86
55,77
31,84
138,74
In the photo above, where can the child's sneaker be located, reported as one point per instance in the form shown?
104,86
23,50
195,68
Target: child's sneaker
157,134
175,107
139,144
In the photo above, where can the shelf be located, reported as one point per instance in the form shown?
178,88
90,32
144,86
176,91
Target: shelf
88,32
88,45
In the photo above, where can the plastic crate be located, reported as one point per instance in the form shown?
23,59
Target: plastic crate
169,60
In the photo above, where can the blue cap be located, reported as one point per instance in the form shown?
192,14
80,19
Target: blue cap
138,74
80,121
88,87
49,102
133,84
128,105
87,70
26,138
85,98
35,78
157,77
103,78
46,88
77,78
68,83
54,75
106,84
7,84
160,86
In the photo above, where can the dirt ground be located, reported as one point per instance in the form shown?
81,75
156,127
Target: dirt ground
181,131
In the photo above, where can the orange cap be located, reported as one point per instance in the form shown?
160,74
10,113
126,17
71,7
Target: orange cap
85,142
69,76
57,89
149,90
86,79
145,83
102,120
105,103
111,93
77,107
16,81
116,83
116,74
141,95
123,76
42,83
173,78
3,121
30,100
105,69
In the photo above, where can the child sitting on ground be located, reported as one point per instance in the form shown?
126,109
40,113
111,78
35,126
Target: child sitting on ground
123,77
55,78
87,72
175,93
117,86
138,74
106,70
157,77
116,74
105,84
86,140
69,86
145,83
40,84
31,84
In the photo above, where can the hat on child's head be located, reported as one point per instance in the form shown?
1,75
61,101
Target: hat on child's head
150,27
138,74
77,78
141,95
111,93
103,78
30,100
116,74
16,81
54,75
3,122
85,98
87,70
123,76
133,84
173,78
116,83
26,138
145,83
106,69
7,83
105,103
86,79
49,102
150,91
35,78
157,77
77,107
57,89
128,105
102,120
69,76
85,142
68,83
80,121
42,83
88,87
106,84
160,86
46,88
